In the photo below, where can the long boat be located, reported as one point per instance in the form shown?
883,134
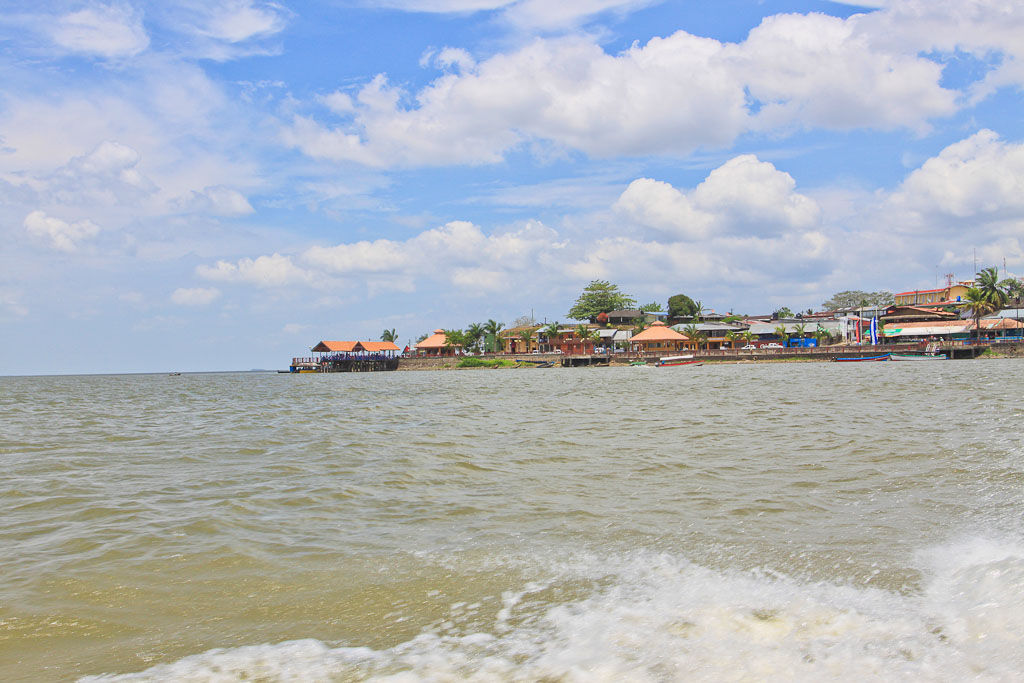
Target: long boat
918,356
856,359
671,361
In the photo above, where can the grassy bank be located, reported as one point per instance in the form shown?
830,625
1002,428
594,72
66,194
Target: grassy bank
473,362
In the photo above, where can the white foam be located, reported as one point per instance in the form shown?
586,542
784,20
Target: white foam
661,618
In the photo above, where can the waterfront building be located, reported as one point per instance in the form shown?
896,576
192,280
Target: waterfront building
662,339
944,296
437,345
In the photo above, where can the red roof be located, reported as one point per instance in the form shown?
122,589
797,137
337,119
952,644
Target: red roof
438,340
335,346
378,346
920,291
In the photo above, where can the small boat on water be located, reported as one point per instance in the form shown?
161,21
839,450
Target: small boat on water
917,356
671,361
857,359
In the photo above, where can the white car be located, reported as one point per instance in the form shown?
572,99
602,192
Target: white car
773,345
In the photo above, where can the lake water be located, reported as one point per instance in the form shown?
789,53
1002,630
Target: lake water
791,522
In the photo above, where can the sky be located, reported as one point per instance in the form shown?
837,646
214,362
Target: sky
200,185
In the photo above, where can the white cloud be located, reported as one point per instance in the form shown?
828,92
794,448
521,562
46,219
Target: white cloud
458,252
239,20
671,96
295,328
982,176
526,14
226,29
218,201
264,271
744,195
817,70
10,302
546,15
113,30
198,296
61,235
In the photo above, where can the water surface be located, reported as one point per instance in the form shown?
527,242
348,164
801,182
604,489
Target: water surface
735,522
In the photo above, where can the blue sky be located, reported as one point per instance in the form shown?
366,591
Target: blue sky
219,184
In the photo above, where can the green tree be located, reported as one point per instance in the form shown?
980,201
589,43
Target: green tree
977,305
600,296
681,306
780,332
988,282
782,312
801,330
747,335
731,336
389,335
1014,288
855,298
551,332
585,334
523,321
694,334
653,307
821,334
491,329
474,333
453,338
698,311
525,336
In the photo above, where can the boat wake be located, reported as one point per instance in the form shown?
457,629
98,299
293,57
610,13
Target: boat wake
655,617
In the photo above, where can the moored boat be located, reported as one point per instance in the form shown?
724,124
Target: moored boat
855,359
671,361
917,356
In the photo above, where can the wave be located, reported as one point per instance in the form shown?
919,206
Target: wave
649,617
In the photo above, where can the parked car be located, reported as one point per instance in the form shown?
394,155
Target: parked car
772,345
749,346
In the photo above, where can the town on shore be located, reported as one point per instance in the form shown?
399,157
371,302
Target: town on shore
960,319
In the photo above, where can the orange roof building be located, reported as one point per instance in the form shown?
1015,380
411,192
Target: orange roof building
355,347
659,338
436,345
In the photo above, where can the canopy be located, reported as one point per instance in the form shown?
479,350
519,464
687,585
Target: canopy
658,332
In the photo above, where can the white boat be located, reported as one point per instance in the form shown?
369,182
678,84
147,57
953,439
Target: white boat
668,361
916,356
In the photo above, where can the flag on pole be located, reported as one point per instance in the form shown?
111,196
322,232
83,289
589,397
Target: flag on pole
874,331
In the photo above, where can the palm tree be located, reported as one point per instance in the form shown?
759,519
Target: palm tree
988,282
698,312
780,332
388,335
731,336
474,333
978,305
493,327
551,332
584,334
747,335
801,329
694,334
821,333
526,335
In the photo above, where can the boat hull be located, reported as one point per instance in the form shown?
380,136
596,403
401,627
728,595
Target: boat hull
672,364
859,359
913,357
